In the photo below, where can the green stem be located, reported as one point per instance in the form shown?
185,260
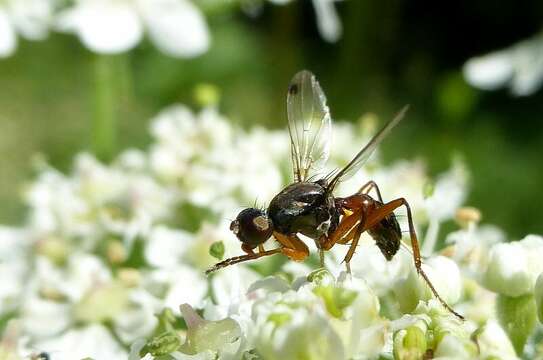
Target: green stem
104,124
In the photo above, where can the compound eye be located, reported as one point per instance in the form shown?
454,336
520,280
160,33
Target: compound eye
252,227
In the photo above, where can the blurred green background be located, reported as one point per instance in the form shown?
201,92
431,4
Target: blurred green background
391,53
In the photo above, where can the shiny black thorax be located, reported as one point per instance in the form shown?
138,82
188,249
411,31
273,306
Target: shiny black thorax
304,207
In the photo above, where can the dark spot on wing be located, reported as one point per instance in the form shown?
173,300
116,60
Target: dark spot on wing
293,89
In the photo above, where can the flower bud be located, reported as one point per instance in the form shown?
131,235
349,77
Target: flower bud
102,304
54,249
320,276
336,299
513,267
116,252
217,250
455,347
445,277
207,94
517,317
467,215
410,343
129,277
162,344
205,335
493,342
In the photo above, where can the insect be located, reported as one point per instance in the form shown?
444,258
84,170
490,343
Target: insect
308,205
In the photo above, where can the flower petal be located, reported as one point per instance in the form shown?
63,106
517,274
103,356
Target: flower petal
328,20
32,18
8,40
176,27
107,27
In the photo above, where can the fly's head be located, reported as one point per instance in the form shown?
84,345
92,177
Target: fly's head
252,227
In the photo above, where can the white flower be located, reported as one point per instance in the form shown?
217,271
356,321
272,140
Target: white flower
176,27
29,18
97,199
200,154
369,264
13,342
493,342
14,246
513,267
449,193
328,21
472,247
165,247
289,326
55,207
520,67
444,275
93,341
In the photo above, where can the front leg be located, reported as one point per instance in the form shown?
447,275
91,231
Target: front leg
291,246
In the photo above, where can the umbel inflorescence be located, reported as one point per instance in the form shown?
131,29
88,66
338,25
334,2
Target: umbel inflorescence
110,262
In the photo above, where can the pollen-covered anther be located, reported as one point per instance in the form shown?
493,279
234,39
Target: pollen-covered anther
261,223
467,215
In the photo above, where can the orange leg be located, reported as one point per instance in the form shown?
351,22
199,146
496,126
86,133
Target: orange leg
345,226
377,214
291,246
366,188
242,258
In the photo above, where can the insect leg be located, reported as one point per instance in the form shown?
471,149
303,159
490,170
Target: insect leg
347,223
242,258
378,214
356,233
366,188
293,247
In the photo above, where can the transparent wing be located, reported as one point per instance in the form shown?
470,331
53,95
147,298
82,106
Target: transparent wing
309,125
363,155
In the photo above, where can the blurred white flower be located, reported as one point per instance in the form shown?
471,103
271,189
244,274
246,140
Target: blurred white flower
93,341
443,273
472,247
199,153
449,192
447,195
519,67
176,27
96,200
514,267
493,342
29,18
14,246
328,21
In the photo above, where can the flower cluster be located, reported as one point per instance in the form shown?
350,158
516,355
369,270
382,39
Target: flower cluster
519,67
111,261
177,28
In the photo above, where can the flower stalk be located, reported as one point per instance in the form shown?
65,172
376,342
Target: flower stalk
104,118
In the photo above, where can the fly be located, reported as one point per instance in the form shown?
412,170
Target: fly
309,207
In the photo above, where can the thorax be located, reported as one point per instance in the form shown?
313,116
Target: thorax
304,207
